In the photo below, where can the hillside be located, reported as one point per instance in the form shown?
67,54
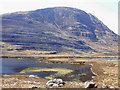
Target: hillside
58,30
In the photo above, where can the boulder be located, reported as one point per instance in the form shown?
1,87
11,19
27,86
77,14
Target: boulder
90,84
6,75
105,86
50,84
30,82
112,88
58,81
55,83
13,84
31,75
59,85
93,76
33,86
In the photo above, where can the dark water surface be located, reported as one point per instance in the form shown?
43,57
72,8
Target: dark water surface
15,65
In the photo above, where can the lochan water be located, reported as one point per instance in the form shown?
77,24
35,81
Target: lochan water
15,65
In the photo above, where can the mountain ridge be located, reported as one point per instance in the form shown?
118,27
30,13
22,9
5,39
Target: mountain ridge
60,29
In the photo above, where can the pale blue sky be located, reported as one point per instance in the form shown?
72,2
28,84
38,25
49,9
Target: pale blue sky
105,10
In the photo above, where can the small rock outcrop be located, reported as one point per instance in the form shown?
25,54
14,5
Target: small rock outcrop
112,87
33,86
32,76
105,86
55,83
90,84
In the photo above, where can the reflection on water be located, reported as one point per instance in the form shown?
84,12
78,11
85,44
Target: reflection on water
14,66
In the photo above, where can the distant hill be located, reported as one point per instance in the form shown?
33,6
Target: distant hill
59,29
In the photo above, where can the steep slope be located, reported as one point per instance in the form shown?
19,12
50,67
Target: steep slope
60,29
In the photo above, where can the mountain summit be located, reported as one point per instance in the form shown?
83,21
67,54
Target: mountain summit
59,29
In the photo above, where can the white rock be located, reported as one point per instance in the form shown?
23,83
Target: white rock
105,72
60,85
71,83
93,76
31,75
105,86
55,85
6,75
60,80
54,80
50,84
33,86
50,81
89,84
5,84
112,87
28,82
35,82
13,84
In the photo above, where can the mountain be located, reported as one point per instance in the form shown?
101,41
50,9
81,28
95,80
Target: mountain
58,29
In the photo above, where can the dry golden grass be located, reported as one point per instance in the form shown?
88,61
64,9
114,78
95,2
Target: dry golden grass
52,56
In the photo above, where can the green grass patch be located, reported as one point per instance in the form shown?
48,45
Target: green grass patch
60,71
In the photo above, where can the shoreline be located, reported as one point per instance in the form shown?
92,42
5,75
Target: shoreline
54,56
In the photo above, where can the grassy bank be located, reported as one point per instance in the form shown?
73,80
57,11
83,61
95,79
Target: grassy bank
54,56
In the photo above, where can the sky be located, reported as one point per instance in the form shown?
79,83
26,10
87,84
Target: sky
104,10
